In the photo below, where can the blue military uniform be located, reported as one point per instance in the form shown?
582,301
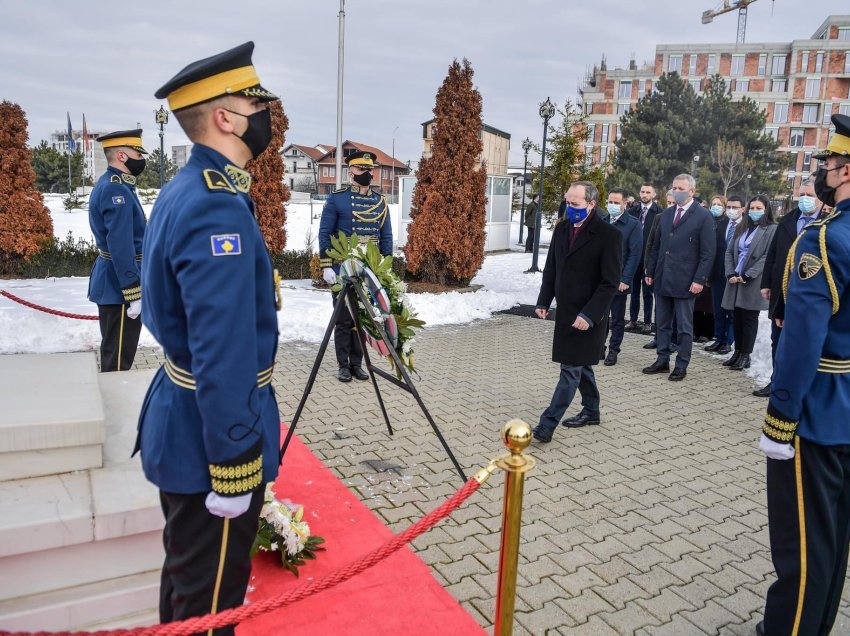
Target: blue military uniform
809,496
117,222
366,215
209,431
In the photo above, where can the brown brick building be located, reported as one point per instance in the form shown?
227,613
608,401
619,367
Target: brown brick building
382,179
799,85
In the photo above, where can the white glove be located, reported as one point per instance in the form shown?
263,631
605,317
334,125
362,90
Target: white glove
329,275
135,309
775,450
228,507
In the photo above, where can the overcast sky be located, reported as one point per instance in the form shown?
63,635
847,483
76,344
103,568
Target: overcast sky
107,59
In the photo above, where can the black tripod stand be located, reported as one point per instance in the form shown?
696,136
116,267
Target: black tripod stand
350,293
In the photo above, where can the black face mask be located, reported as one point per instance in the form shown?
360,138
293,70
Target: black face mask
824,192
362,179
258,135
135,166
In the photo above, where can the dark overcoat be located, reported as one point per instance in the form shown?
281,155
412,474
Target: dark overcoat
583,281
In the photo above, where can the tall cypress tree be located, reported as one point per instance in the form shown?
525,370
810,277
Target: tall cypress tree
25,223
268,190
445,243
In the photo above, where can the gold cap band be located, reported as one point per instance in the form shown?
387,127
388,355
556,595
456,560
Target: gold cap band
366,163
133,142
839,144
215,86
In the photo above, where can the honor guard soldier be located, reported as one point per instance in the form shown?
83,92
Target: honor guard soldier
209,431
118,224
354,209
806,435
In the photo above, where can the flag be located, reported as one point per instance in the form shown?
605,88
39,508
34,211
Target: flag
86,143
71,145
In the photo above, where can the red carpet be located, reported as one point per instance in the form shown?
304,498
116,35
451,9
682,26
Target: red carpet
397,596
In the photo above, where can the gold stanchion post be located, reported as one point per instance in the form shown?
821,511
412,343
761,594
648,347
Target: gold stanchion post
516,435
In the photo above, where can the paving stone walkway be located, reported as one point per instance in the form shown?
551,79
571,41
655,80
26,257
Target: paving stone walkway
653,523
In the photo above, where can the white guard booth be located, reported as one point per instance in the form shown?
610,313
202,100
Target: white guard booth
498,212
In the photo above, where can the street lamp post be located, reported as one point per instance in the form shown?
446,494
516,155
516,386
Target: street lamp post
161,117
547,111
749,176
526,146
694,166
340,64
392,185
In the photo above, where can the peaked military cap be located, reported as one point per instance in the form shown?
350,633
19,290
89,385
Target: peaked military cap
228,73
840,142
363,159
130,138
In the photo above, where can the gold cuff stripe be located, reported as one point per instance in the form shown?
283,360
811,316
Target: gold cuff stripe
183,378
326,262
237,487
132,293
777,434
784,425
108,256
834,366
234,472
220,84
122,141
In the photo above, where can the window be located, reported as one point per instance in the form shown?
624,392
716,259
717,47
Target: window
588,154
642,85
804,62
625,90
674,64
796,140
622,108
810,113
738,64
762,64
778,66
619,132
792,166
692,66
695,84
603,154
780,113
827,113
813,88
819,62
712,64
605,128
789,181
591,129
344,173
779,86
847,62
807,160
844,109
385,174
844,34
589,108
773,133
742,86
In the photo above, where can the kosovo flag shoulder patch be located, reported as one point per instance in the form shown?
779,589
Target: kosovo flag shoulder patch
226,245
118,200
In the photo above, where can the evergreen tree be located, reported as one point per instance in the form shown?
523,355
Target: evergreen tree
51,169
25,223
445,241
268,190
149,179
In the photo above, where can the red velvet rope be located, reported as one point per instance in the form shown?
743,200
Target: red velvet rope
47,310
245,612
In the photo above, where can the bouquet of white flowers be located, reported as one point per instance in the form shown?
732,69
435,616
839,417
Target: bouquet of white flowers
282,529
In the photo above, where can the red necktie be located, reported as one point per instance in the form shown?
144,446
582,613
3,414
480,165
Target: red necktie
678,218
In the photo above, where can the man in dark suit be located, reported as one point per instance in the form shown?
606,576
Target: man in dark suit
724,228
680,263
644,212
583,270
808,209
630,228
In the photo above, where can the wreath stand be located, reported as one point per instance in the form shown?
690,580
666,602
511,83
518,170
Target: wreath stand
348,296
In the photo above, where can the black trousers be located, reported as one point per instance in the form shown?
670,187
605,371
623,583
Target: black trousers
119,337
808,510
207,566
775,332
529,240
346,340
617,324
640,288
746,323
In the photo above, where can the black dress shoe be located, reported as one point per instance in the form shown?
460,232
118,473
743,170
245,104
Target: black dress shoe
723,350
733,359
760,628
343,375
657,367
649,328
678,374
611,359
582,419
652,344
358,373
763,392
631,327
542,434
742,363
714,346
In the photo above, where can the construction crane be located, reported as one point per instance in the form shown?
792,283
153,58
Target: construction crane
725,7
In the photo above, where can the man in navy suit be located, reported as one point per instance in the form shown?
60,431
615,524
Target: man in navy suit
644,211
680,260
725,223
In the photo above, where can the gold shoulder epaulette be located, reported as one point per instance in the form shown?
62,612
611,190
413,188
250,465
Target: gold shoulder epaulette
342,189
829,217
115,179
217,181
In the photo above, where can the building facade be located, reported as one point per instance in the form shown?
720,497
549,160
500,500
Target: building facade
95,162
180,155
384,179
798,84
301,172
497,145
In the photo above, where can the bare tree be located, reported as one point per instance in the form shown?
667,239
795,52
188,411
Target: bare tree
732,163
